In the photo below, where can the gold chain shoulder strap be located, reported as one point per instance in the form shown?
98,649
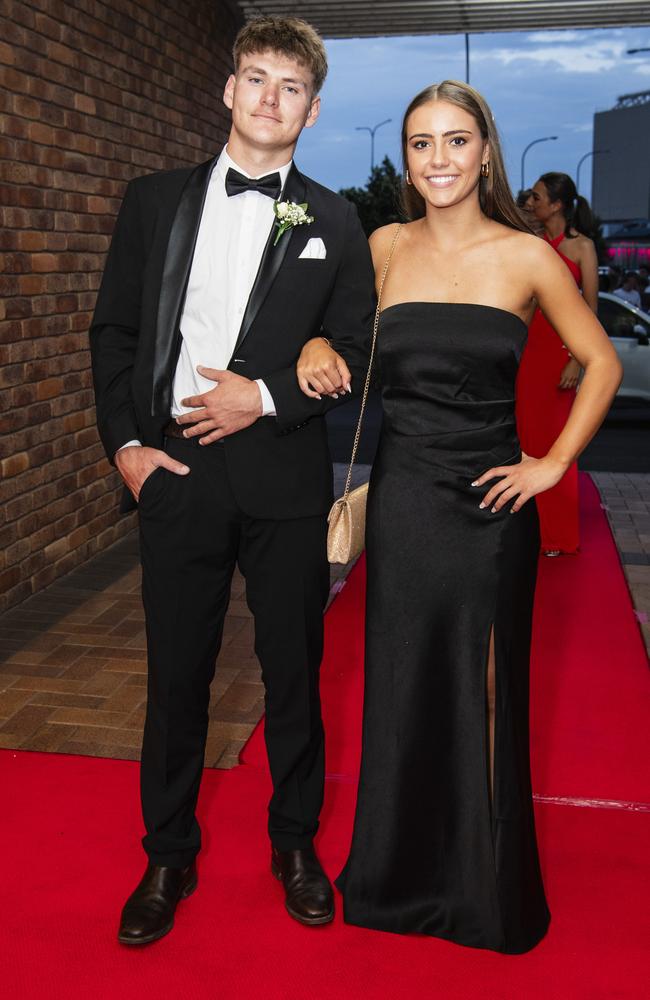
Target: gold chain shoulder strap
372,357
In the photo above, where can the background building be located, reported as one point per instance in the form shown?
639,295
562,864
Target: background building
621,177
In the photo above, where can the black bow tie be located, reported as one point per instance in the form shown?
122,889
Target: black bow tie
236,183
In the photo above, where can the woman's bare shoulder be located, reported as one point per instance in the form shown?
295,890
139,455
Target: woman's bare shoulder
527,260
383,237
524,247
585,246
381,241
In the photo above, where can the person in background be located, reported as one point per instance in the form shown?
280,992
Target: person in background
548,375
523,203
629,290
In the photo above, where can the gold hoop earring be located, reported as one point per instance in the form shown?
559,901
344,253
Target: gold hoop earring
408,177
485,169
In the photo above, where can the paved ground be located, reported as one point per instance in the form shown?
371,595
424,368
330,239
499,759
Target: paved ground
73,663
626,499
73,667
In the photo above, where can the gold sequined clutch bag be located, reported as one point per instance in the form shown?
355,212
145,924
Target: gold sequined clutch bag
347,526
347,518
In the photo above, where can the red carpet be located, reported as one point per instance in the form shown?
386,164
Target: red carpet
71,853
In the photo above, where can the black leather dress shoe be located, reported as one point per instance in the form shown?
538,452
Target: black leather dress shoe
148,913
309,895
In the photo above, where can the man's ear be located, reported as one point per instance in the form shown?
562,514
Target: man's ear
229,91
314,111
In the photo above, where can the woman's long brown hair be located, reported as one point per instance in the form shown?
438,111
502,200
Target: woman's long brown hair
495,196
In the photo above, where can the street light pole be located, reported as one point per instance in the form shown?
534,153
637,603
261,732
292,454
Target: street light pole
546,138
594,152
466,57
367,128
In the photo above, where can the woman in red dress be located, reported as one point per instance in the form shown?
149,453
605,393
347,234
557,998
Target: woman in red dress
548,375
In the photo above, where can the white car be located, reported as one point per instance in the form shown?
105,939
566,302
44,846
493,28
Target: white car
629,330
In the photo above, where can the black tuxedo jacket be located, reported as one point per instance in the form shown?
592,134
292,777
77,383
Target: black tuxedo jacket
280,466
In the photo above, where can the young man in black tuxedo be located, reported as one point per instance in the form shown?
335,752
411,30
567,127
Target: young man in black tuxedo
202,313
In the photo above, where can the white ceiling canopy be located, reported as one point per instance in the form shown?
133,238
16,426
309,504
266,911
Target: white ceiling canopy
365,18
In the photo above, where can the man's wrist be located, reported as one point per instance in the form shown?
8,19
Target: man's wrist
267,404
129,444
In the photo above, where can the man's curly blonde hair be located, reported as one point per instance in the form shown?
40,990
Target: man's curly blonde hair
288,36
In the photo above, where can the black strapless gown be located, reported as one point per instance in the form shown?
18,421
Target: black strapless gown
433,850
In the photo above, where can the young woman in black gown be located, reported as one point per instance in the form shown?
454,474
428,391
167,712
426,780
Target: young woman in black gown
444,836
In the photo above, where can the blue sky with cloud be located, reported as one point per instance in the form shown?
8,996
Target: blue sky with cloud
537,83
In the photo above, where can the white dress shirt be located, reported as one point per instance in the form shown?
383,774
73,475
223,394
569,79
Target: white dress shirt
232,235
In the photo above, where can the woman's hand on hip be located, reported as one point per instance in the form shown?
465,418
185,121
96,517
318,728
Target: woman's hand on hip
519,482
321,371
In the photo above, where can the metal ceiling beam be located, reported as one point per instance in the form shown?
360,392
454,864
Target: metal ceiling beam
372,18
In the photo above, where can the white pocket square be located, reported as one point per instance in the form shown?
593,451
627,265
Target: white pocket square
314,250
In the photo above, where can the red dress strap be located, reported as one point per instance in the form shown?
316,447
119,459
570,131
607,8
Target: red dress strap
571,264
555,242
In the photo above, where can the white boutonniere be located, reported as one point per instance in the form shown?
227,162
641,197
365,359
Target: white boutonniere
288,214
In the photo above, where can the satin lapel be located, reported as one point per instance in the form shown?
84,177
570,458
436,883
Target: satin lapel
178,261
272,257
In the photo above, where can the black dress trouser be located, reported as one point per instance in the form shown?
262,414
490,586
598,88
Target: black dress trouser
192,533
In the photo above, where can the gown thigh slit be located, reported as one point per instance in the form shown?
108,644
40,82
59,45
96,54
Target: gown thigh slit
490,711
444,839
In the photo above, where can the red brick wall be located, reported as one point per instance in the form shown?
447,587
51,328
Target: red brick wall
91,94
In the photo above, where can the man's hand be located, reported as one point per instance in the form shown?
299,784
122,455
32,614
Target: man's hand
135,464
321,371
234,403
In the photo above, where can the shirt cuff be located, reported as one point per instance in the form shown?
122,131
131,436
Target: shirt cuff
130,444
268,406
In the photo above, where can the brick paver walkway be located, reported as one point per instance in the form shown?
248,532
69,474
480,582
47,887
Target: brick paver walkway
626,499
73,664
73,667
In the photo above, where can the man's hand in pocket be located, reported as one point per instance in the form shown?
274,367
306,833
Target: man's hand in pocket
136,463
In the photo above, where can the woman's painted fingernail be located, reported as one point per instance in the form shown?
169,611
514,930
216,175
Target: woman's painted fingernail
349,387
474,484
335,395
481,506
493,511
